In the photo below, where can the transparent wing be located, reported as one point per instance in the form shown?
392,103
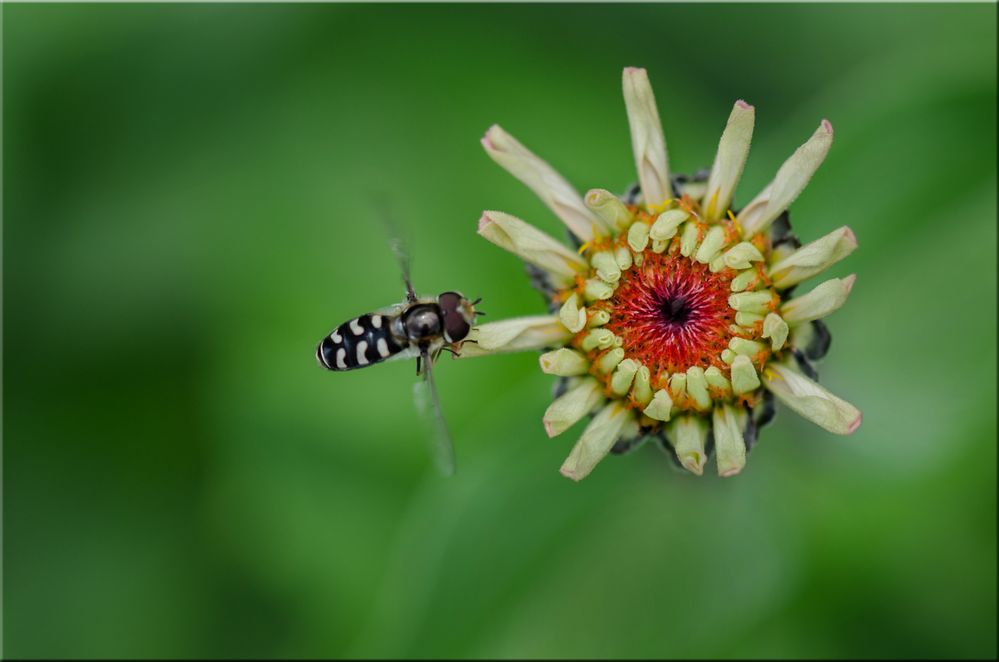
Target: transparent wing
398,247
429,407
399,250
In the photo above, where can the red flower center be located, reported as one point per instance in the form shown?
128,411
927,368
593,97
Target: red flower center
672,313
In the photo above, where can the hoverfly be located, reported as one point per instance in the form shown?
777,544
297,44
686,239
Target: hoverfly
420,327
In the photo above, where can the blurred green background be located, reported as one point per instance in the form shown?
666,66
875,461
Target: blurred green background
188,208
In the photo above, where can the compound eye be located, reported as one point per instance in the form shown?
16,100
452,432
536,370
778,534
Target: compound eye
455,325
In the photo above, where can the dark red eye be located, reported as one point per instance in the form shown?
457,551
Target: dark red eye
455,325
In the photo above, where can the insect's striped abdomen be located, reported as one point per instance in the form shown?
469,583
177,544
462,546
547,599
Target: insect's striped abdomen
358,343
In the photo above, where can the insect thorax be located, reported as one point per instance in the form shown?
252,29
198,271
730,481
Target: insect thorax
423,323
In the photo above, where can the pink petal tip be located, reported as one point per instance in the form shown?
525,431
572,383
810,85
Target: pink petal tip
568,474
484,220
694,468
850,236
486,141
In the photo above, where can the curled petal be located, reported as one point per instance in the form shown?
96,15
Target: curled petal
623,257
713,242
821,301
531,245
564,362
647,140
624,375
638,236
597,338
688,434
597,318
747,320
745,347
678,384
547,184
730,449
605,264
742,255
744,280
751,302
597,289
744,377
790,181
660,406
515,335
717,380
642,391
775,328
572,405
572,315
610,360
813,258
667,223
610,424
732,152
810,400
689,238
609,208
697,387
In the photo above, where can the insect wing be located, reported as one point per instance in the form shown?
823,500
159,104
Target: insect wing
398,247
428,404
399,250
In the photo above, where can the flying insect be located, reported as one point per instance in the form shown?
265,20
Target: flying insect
418,327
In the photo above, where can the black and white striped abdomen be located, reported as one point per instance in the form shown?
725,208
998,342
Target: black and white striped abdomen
358,343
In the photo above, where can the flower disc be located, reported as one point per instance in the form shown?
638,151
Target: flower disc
672,313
